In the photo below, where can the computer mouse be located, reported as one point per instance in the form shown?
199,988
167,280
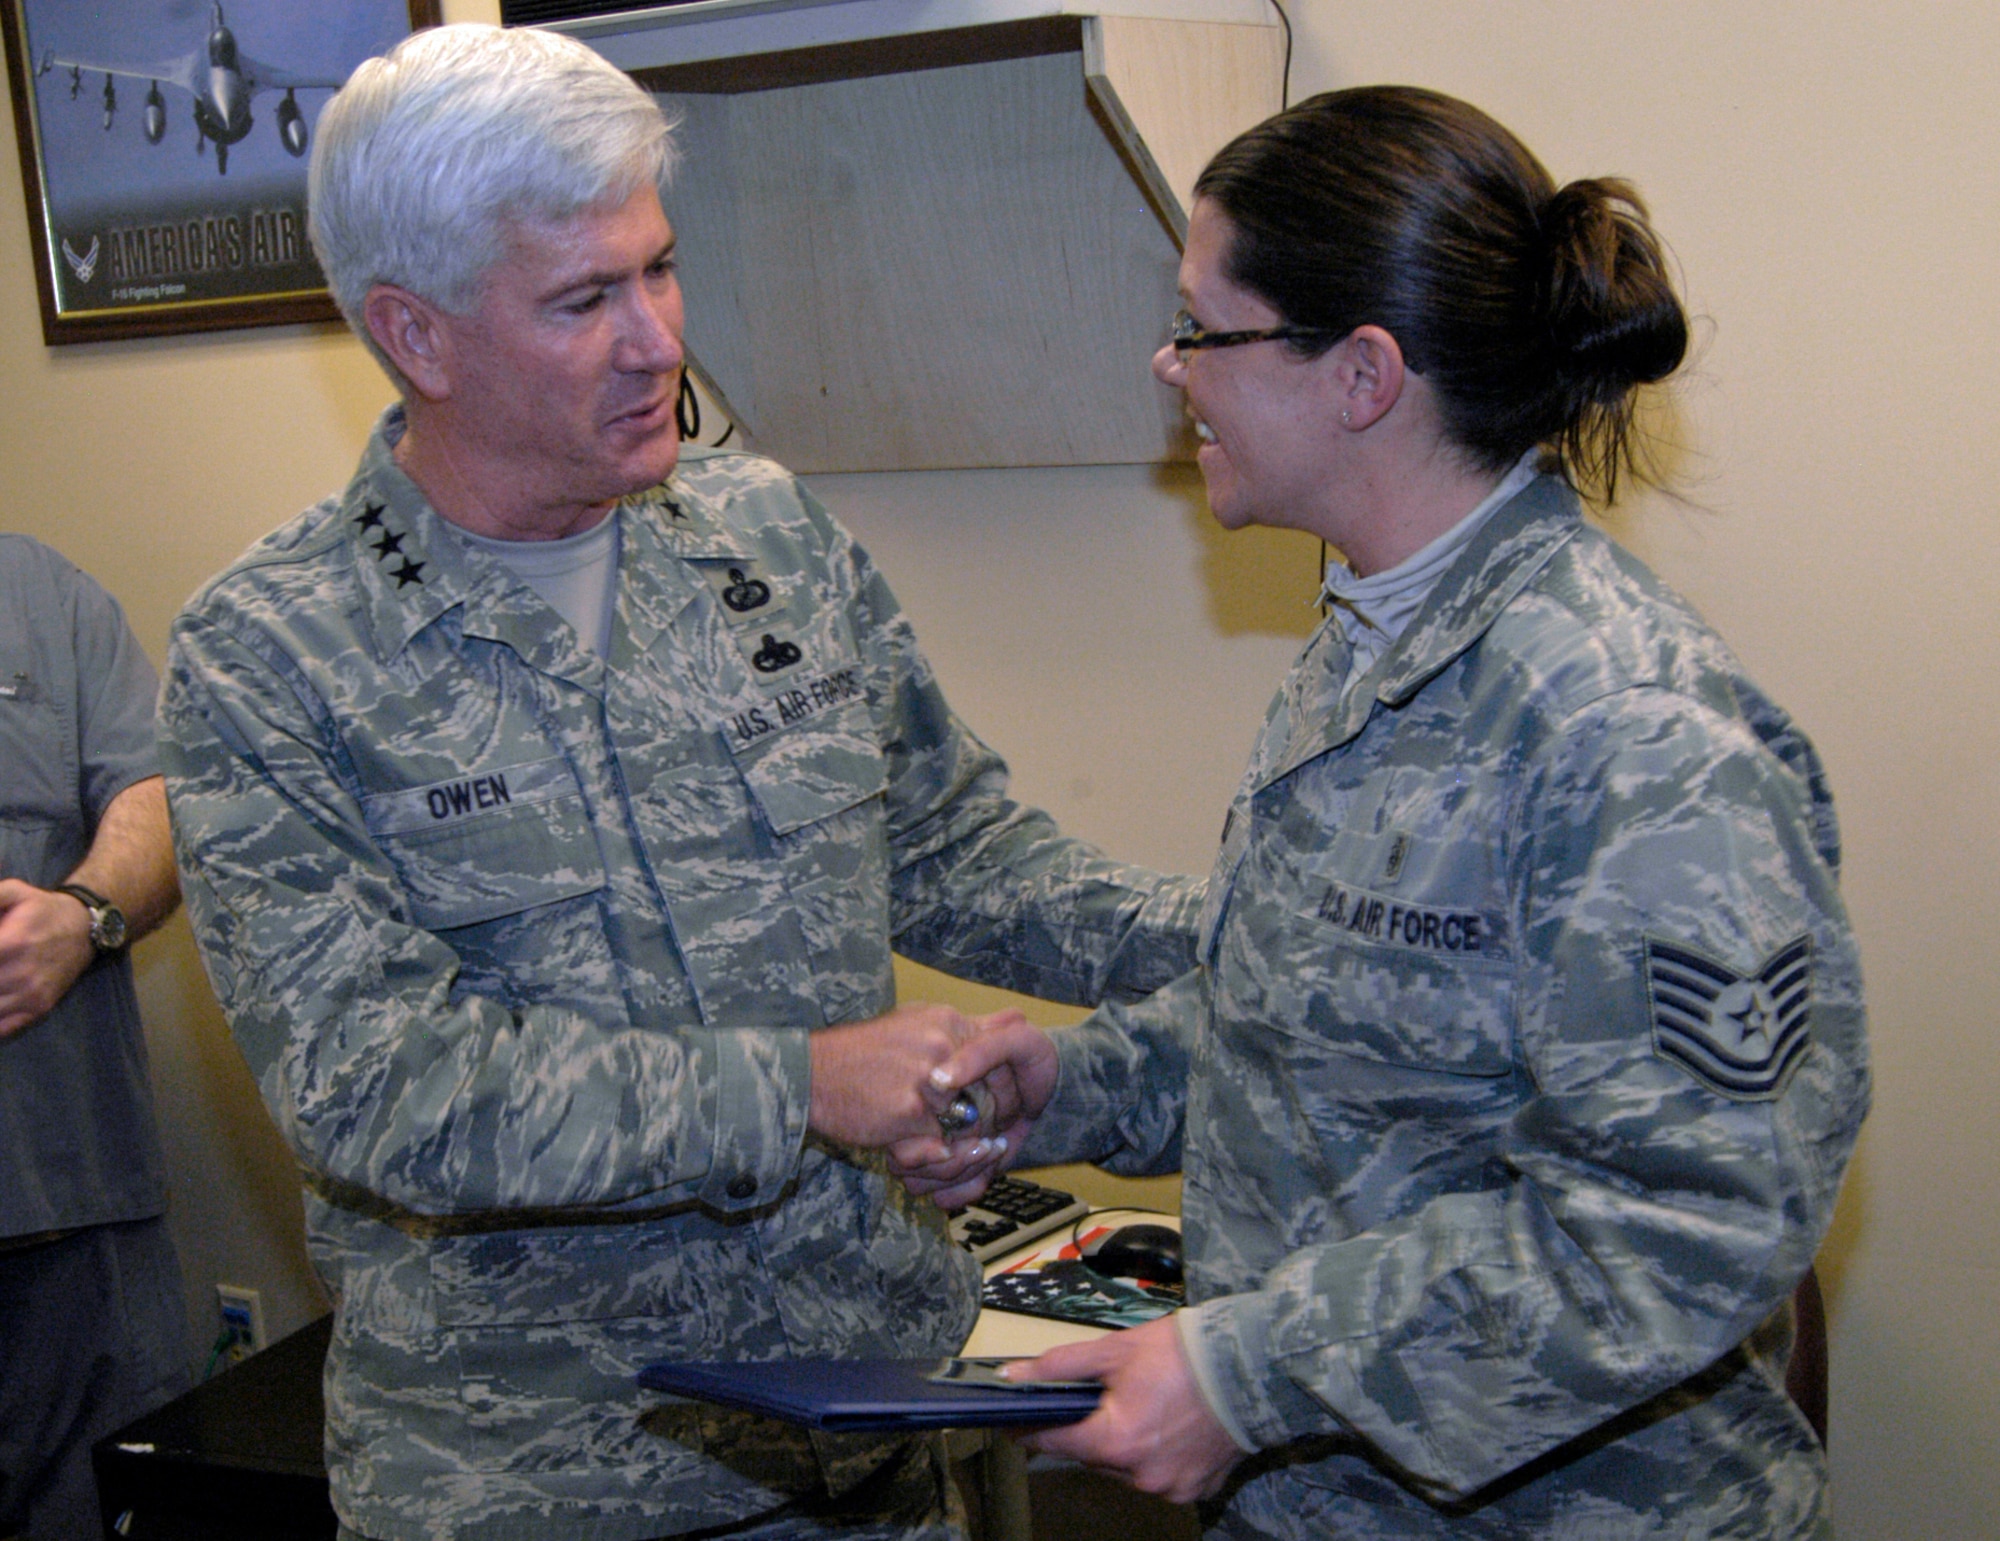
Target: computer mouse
1144,1251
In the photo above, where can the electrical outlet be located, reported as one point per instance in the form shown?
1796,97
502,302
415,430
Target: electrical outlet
242,1320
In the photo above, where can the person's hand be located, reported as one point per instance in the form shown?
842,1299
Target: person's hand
44,948
1152,1429
885,1080
956,1171
953,1173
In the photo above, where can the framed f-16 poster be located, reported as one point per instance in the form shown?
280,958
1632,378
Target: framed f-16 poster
163,151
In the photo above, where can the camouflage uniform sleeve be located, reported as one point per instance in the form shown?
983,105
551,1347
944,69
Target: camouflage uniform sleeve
982,887
1121,1089
1645,1221
382,1071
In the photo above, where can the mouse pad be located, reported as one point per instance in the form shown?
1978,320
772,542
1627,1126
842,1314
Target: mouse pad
1064,1290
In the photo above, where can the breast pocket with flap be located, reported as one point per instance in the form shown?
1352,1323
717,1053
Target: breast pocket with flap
495,842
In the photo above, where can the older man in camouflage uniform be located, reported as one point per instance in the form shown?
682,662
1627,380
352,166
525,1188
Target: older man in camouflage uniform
546,809
1513,1092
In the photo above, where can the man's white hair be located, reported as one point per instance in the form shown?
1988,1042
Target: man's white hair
425,154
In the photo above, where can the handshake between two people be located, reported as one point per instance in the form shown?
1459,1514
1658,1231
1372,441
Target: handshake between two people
884,1083
908,1081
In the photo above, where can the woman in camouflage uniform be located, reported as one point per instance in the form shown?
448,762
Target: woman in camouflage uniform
1515,1086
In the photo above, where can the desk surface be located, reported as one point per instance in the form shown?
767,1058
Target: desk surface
1010,1333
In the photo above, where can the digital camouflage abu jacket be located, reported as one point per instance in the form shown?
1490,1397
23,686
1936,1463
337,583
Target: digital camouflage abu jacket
1517,1086
523,946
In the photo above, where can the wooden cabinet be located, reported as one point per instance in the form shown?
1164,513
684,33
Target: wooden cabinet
919,234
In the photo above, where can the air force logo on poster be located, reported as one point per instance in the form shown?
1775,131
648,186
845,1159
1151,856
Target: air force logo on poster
173,137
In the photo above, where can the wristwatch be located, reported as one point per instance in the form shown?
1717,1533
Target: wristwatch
107,921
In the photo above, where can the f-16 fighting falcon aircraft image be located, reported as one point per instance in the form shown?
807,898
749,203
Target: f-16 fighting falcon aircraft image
220,77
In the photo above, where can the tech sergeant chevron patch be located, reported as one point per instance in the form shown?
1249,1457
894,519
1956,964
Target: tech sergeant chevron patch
1738,1035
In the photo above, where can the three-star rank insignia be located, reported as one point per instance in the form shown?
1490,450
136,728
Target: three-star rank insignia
1737,1034
387,544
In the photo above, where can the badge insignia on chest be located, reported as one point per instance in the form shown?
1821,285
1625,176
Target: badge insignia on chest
1737,1034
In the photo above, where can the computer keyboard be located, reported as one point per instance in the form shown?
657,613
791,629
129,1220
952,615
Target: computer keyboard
1012,1213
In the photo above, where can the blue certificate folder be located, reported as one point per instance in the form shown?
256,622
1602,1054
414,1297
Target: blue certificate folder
856,1395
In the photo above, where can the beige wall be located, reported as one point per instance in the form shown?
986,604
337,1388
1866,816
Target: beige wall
1826,176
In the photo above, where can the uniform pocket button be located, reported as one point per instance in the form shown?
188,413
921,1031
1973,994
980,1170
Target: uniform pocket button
742,1187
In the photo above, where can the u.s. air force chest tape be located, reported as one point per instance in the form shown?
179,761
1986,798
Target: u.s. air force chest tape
797,700
1414,925
1417,924
1740,1034
1335,972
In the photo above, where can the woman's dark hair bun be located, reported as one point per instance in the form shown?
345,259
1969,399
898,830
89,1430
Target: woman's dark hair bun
1533,312
1610,305
1614,323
